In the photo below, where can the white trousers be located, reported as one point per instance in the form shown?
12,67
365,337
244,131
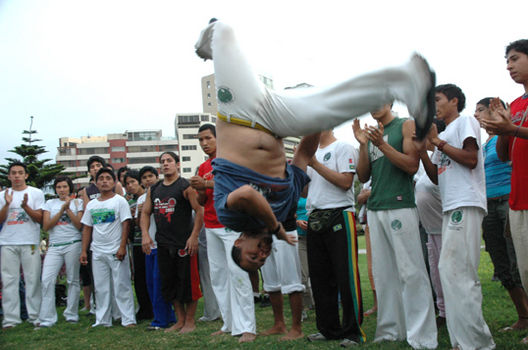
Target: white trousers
211,311
405,300
12,257
282,270
519,232
55,258
458,267
230,283
299,112
112,281
434,247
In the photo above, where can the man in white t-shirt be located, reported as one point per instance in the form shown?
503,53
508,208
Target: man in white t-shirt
332,241
457,166
21,215
106,225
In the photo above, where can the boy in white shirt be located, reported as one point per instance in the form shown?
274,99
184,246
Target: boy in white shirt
106,225
457,166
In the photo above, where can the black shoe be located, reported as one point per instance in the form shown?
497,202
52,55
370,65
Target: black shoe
265,301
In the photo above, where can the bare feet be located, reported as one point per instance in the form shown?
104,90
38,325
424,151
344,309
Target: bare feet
371,311
188,328
292,335
522,323
218,332
524,341
174,327
276,329
247,338
130,325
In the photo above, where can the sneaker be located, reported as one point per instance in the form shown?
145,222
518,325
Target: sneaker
154,328
265,301
316,337
424,88
345,343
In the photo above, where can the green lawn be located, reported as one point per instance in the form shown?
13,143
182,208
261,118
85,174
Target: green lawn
498,311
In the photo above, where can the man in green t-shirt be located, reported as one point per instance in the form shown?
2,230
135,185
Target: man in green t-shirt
405,306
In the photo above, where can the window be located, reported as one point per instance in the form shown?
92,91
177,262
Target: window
208,84
143,160
204,118
190,136
209,104
143,136
213,119
189,148
117,160
134,149
188,119
96,150
208,94
186,159
187,170
118,149
164,148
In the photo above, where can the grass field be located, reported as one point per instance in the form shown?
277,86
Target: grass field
498,312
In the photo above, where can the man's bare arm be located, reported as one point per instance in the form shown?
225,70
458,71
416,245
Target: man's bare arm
144,224
247,200
342,180
192,243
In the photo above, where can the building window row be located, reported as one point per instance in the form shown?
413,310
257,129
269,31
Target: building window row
96,150
189,148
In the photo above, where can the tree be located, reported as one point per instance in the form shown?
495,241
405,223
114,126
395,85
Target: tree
40,174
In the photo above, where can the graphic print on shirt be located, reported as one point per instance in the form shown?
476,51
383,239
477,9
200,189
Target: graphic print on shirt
444,163
17,217
64,220
103,216
374,151
165,207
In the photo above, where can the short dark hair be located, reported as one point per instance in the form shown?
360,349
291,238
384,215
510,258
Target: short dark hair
105,170
121,170
172,154
519,46
451,91
208,127
62,178
486,102
148,168
94,159
17,163
133,174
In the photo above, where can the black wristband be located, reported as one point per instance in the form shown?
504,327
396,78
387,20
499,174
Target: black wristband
277,230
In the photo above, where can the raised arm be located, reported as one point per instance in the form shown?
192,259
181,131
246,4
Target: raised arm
35,214
363,165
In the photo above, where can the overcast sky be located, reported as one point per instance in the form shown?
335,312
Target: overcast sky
97,67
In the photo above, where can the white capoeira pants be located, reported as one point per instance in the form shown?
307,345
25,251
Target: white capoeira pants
282,270
211,311
55,257
519,232
434,247
458,266
12,257
112,281
300,112
405,301
231,284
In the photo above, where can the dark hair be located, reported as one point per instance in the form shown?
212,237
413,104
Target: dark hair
94,159
62,178
148,168
17,163
109,166
451,91
519,46
208,127
121,170
172,154
105,170
133,174
486,102
236,254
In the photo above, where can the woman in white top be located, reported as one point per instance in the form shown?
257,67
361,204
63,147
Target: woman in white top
62,220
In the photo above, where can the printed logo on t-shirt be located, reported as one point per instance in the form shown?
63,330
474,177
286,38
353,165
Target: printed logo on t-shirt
64,219
396,225
17,217
103,216
165,208
327,156
224,94
337,227
444,163
374,152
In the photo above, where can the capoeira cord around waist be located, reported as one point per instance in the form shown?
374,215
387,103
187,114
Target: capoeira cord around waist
65,243
243,122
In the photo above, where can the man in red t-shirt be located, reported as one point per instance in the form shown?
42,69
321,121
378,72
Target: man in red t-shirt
512,128
231,284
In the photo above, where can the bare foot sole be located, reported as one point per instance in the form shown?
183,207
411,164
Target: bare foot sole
187,329
219,332
174,327
247,338
370,311
292,335
274,330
